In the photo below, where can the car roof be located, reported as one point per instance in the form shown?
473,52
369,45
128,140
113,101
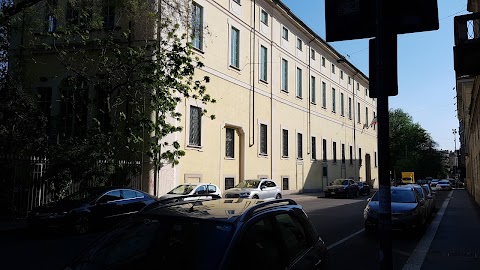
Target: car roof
226,210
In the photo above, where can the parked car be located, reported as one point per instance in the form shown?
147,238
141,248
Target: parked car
443,185
434,183
429,203
342,187
214,234
192,189
364,188
408,210
89,208
431,193
255,189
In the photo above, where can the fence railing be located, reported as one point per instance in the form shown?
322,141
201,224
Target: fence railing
23,185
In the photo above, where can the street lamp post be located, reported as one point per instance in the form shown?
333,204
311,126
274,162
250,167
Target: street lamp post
454,131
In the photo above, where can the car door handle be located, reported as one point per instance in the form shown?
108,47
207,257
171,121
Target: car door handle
318,263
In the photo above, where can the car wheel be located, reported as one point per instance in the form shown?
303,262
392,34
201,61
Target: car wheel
81,225
255,197
279,196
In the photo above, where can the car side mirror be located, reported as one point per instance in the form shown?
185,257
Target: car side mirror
422,202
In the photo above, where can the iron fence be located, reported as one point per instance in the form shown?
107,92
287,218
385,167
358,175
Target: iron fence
23,185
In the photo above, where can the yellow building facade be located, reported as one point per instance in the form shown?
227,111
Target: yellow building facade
289,107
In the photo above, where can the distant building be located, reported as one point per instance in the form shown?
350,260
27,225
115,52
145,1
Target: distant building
467,67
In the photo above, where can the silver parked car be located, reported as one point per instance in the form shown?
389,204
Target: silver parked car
255,189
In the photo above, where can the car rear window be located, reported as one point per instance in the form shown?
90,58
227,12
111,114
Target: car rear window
169,242
399,196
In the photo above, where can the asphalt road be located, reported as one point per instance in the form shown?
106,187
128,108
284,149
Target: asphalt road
338,221
340,224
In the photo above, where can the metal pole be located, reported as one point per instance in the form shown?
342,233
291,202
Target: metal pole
385,37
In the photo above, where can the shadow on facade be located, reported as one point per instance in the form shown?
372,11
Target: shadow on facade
321,173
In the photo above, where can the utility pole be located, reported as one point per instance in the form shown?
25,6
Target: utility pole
385,42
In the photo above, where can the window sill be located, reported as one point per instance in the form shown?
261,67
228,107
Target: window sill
284,157
301,98
229,158
234,67
200,51
263,81
313,103
284,91
264,155
195,147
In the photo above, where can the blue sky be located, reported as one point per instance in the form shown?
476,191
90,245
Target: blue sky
426,77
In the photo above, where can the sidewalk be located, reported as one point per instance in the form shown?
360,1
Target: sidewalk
453,239
304,196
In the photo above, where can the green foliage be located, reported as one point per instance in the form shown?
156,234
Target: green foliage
412,148
139,75
22,125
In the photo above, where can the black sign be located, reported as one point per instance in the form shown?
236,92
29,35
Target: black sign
355,19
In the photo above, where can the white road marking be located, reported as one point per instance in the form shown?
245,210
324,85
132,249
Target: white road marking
418,255
345,239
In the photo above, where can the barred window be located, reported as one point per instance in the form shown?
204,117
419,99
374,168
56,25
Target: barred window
230,142
299,145
334,152
314,148
324,146
229,182
263,139
285,183
284,143
195,126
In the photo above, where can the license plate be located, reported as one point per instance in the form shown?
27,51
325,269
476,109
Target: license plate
332,192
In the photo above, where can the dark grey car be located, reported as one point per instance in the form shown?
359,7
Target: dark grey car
342,188
214,234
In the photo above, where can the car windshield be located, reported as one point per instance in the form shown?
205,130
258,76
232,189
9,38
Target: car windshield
420,190
399,196
182,189
163,241
248,184
340,182
85,195
444,182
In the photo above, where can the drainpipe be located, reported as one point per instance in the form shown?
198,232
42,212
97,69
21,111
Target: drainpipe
252,56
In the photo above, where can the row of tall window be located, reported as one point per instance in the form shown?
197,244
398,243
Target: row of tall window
195,131
73,16
263,73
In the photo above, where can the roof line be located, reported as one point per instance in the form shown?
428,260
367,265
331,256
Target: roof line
313,33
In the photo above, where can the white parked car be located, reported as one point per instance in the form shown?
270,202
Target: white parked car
444,185
193,189
255,189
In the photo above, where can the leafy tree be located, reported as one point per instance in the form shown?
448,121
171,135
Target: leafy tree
412,148
140,69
